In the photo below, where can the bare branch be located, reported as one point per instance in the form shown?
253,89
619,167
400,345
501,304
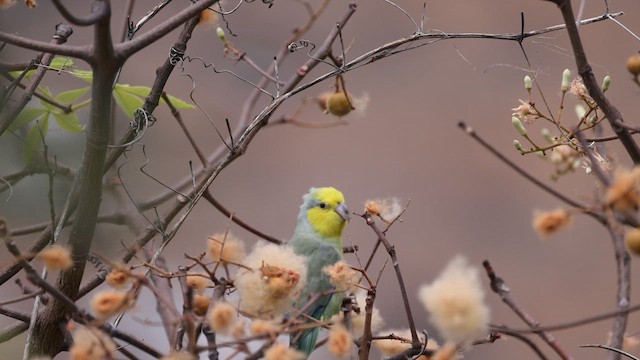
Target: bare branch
126,49
61,35
99,10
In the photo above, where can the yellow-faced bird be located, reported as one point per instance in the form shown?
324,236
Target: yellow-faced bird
318,236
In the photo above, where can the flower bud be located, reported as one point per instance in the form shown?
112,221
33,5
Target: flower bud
527,83
605,83
580,111
546,134
566,79
221,34
518,125
517,144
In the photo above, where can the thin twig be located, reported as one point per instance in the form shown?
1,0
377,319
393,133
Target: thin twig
500,287
60,36
176,114
213,201
415,341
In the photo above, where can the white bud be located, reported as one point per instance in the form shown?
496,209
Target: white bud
605,83
527,83
517,145
566,78
221,34
518,125
546,134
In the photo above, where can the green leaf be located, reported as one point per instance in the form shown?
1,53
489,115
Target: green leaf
144,91
16,74
69,122
59,63
27,115
86,75
68,97
33,142
127,101
179,104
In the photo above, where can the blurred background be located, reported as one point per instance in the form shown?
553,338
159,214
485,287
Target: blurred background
405,144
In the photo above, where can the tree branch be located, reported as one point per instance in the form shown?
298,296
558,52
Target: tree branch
500,287
60,36
81,52
613,115
126,49
99,10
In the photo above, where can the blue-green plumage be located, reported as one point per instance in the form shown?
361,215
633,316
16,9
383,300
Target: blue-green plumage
318,237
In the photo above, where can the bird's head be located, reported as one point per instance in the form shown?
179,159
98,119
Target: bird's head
324,211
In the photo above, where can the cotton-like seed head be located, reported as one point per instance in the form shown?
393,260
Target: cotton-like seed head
358,319
623,195
549,222
182,355
390,347
198,282
201,304
373,207
455,300
229,249
56,257
91,344
280,351
107,303
339,341
262,327
341,275
4,4
387,209
274,278
119,278
279,281
222,316
578,89
447,352
237,330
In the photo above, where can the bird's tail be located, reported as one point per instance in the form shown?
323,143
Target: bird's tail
306,340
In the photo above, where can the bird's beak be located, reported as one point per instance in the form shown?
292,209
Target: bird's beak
343,211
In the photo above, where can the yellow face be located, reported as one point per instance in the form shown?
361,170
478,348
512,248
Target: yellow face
328,215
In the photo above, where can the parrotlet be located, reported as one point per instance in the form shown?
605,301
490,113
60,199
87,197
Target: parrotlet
318,237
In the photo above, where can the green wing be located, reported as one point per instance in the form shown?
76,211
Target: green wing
319,255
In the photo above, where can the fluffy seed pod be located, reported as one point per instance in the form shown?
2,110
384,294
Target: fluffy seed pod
339,103
632,238
633,64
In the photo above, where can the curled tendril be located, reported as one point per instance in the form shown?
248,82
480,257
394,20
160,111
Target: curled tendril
301,44
142,119
175,56
293,47
268,2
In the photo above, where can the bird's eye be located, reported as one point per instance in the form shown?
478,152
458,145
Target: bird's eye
322,205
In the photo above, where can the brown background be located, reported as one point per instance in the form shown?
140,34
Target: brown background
463,201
